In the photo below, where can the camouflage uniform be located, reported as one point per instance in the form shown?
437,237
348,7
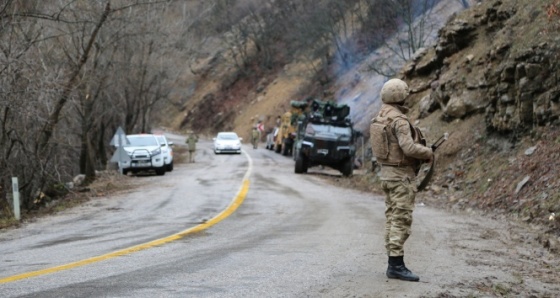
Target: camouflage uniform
398,181
255,137
191,144
398,172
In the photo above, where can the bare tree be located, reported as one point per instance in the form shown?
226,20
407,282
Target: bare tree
61,97
54,117
407,27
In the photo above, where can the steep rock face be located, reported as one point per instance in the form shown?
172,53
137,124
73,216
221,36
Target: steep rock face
485,62
491,80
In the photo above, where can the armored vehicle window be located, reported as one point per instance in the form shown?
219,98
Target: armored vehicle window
321,128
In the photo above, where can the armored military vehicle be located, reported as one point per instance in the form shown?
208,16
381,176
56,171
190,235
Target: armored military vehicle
324,137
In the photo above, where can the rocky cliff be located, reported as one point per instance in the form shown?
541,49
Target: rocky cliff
492,81
497,59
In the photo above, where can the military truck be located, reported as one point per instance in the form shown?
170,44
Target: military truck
325,137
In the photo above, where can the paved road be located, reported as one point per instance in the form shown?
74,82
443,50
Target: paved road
287,236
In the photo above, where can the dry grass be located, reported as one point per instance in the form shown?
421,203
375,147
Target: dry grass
106,184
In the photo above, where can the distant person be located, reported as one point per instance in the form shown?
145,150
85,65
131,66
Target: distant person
255,135
399,149
191,141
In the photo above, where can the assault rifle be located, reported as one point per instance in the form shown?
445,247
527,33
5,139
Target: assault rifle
430,173
440,141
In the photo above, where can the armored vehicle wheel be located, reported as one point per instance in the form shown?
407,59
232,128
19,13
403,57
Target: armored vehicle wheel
301,165
347,168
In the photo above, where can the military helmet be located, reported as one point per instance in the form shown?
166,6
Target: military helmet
394,91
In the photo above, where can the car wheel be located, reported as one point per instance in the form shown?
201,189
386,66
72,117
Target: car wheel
287,147
170,167
160,171
347,168
301,165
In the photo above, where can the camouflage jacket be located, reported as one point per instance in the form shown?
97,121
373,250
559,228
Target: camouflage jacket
402,146
191,142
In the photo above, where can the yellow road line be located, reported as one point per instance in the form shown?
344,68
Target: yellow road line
239,198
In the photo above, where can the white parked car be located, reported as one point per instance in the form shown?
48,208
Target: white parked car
145,154
166,151
227,142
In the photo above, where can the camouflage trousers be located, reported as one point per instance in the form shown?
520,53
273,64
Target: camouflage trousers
399,203
191,156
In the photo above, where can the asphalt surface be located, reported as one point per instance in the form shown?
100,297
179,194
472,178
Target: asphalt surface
264,232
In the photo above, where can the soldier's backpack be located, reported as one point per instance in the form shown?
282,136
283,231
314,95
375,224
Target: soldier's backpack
379,136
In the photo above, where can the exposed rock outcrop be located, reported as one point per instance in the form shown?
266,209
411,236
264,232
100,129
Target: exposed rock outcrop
513,81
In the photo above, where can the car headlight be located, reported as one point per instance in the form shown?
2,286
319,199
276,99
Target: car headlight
155,152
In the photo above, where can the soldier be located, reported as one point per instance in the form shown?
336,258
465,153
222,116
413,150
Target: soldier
191,144
400,150
255,137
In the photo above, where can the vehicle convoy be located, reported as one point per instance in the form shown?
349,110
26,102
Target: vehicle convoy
325,137
145,154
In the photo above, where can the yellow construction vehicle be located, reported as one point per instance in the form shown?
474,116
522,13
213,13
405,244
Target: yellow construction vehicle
284,138
286,134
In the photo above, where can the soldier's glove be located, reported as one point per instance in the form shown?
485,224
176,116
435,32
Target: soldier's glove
429,160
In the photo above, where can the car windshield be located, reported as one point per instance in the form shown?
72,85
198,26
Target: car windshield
142,141
227,136
161,139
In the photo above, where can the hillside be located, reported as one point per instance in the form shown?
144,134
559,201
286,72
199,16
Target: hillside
489,80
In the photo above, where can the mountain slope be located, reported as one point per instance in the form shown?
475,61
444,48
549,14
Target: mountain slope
494,66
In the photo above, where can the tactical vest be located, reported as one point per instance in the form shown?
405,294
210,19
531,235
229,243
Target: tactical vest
385,145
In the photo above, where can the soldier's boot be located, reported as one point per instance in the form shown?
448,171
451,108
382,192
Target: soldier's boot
398,270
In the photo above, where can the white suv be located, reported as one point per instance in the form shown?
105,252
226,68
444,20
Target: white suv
166,151
145,154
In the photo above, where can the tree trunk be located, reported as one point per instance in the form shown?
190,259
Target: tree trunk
54,117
